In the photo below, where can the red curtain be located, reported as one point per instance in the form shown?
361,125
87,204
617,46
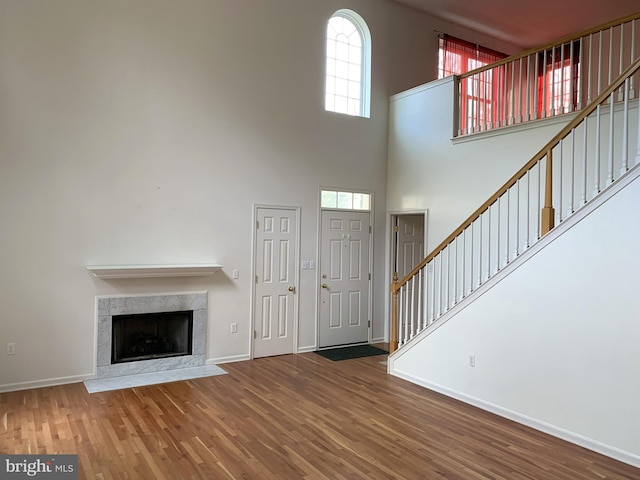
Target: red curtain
478,93
459,56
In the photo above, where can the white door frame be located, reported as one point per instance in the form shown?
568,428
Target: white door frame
296,301
319,259
391,216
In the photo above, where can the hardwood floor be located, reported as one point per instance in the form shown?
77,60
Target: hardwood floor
290,417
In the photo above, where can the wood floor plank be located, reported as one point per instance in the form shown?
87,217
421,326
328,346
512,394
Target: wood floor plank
289,417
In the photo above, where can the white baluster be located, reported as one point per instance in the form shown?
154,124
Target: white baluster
530,88
517,232
544,85
534,88
498,237
596,188
421,316
574,80
632,86
599,63
512,117
589,87
433,292
454,289
471,259
621,48
625,130
506,250
400,317
528,211
488,243
611,140
480,250
411,303
638,148
464,263
539,202
559,183
447,279
520,87
407,331
572,173
487,121
583,196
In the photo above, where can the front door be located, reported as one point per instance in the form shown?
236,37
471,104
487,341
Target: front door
344,278
275,307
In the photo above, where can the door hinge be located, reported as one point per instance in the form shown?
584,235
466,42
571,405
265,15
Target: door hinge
257,224
255,334
396,229
256,278
369,323
370,229
369,276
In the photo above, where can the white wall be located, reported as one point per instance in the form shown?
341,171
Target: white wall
144,131
556,340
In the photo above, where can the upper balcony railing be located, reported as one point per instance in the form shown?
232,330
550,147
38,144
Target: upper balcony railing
557,78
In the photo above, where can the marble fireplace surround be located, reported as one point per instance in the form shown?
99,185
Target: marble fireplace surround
108,306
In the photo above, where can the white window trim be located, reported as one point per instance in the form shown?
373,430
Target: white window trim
365,35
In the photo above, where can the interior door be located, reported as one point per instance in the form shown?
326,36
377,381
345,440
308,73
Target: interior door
275,306
409,243
344,278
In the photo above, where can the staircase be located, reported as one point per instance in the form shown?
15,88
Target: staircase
594,149
594,157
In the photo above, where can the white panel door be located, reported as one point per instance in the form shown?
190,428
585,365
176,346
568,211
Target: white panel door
344,278
410,243
275,308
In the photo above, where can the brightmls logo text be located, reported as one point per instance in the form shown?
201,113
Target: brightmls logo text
51,467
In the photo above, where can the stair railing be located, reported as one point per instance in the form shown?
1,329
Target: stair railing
592,151
557,78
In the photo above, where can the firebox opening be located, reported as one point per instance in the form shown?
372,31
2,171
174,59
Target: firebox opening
147,336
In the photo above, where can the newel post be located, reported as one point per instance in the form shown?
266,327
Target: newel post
393,342
547,217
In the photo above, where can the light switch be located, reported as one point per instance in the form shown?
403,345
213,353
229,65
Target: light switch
235,274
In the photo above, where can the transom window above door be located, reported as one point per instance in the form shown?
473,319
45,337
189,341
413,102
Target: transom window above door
335,199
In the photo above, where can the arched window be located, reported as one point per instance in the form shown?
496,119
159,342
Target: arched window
348,71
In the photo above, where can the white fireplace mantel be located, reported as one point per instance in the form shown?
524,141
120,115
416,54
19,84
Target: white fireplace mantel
153,271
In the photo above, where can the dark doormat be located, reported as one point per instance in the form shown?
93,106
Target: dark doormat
347,353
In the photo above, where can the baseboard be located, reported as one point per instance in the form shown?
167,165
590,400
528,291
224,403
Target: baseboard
553,430
48,382
230,359
307,349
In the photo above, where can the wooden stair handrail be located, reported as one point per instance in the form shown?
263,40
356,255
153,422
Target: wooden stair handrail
520,173
548,46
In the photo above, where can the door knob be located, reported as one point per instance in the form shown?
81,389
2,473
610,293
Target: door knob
292,288
324,285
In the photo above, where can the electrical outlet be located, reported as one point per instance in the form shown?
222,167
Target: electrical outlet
234,328
472,360
11,348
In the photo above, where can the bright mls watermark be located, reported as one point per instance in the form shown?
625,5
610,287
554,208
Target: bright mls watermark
52,467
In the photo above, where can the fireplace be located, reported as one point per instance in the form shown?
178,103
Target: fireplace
150,333
145,336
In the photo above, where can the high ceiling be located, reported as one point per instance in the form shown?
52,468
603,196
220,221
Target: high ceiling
527,24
